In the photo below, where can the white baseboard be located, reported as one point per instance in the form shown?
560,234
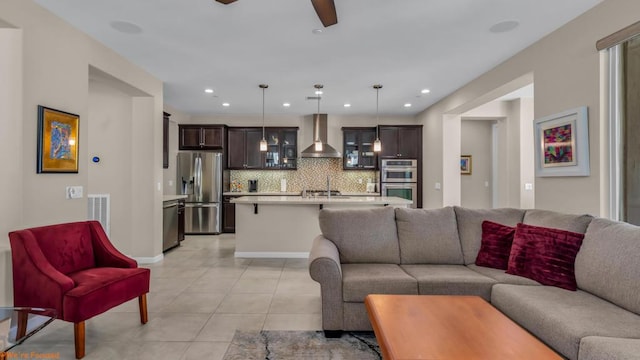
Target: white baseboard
148,260
268,254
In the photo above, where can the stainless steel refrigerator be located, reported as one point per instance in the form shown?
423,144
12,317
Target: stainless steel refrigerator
200,178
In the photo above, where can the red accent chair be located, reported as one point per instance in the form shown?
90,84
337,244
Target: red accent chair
74,269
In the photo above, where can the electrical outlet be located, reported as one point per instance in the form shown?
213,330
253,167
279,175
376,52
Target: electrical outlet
359,181
73,192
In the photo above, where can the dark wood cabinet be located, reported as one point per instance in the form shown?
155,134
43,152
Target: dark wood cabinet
401,141
228,214
358,148
201,137
243,150
165,140
282,148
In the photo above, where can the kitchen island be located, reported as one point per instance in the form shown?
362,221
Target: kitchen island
285,226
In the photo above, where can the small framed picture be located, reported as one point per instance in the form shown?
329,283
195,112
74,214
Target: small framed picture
562,144
465,165
57,141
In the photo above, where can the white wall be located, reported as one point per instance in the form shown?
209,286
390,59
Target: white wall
10,150
110,139
55,61
476,189
566,66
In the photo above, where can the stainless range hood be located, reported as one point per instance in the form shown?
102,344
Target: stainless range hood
320,133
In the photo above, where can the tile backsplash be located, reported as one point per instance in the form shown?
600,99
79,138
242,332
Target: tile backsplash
311,174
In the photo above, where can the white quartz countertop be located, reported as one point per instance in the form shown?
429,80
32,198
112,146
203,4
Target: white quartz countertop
289,193
262,193
173,197
341,199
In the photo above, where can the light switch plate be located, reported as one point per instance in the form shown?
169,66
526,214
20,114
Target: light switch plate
74,192
528,186
438,186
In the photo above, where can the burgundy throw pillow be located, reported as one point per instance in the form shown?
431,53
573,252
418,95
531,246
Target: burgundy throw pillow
496,245
545,255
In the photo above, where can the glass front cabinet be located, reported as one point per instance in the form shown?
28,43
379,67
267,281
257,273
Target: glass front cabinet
358,148
282,150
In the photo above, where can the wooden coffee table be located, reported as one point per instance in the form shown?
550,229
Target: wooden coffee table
448,327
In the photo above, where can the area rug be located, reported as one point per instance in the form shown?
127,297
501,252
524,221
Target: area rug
302,345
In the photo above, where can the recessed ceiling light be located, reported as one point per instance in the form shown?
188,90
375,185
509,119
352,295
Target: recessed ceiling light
347,105
125,27
208,91
425,91
407,105
504,26
316,31
286,104
225,104
318,92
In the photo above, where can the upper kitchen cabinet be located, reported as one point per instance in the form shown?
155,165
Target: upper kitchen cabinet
401,141
243,151
358,148
201,137
282,148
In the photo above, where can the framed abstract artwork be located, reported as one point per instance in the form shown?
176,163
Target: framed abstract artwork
562,144
465,164
57,141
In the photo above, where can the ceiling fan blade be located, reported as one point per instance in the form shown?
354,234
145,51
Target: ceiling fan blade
326,11
226,2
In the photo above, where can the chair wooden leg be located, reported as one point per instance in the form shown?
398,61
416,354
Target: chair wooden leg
23,317
142,301
78,332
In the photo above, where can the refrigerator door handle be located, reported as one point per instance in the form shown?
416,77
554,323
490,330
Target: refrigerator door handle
198,177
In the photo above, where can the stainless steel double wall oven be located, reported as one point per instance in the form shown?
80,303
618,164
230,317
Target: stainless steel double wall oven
399,177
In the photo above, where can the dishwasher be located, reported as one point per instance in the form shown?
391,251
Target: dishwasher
169,225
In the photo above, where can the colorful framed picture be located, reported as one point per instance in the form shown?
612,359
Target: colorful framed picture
465,164
562,144
57,141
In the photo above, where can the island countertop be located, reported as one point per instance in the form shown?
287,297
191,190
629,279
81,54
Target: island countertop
315,200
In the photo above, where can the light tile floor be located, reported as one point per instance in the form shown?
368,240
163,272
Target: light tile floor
200,295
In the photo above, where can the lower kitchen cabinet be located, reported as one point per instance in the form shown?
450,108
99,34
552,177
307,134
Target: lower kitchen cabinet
228,215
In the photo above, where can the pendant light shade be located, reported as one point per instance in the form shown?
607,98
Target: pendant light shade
263,142
377,144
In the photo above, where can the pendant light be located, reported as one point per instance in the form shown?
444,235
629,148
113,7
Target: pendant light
263,142
377,145
317,142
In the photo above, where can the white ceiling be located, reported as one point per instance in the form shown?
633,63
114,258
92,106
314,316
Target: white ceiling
406,45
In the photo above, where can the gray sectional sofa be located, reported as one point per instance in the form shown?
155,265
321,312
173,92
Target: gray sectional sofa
433,252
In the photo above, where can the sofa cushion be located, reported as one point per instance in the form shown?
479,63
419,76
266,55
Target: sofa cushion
470,226
545,255
362,235
428,236
557,220
608,264
360,280
561,318
501,276
450,280
496,245
606,348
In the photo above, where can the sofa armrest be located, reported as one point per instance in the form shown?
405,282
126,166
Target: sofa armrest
325,268
35,281
105,253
